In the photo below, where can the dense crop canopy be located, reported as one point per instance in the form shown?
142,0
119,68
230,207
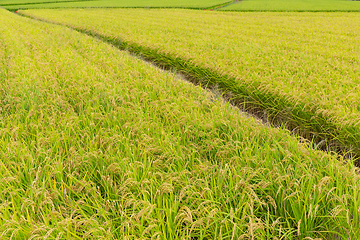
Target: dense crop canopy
95,144
15,4
111,3
295,5
301,67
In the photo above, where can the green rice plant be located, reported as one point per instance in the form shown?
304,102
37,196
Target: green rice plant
298,69
295,5
14,3
96,144
197,4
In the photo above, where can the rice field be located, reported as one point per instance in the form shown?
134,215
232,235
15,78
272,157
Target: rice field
113,4
97,144
295,5
10,2
301,69
14,3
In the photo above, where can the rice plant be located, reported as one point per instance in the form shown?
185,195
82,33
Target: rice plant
295,5
30,4
298,69
96,144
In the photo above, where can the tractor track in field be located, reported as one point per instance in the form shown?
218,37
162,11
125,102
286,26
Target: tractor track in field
203,78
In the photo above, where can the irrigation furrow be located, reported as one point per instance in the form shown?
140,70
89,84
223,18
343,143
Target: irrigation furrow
241,98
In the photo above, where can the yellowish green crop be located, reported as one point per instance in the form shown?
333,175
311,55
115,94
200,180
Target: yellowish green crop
96,144
301,68
29,4
19,2
294,5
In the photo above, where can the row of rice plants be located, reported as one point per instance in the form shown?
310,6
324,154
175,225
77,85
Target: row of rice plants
301,69
96,144
295,5
120,3
14,3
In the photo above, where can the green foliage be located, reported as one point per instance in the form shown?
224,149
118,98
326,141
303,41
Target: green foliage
297,68
9,3
117,3
95,144
294,5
